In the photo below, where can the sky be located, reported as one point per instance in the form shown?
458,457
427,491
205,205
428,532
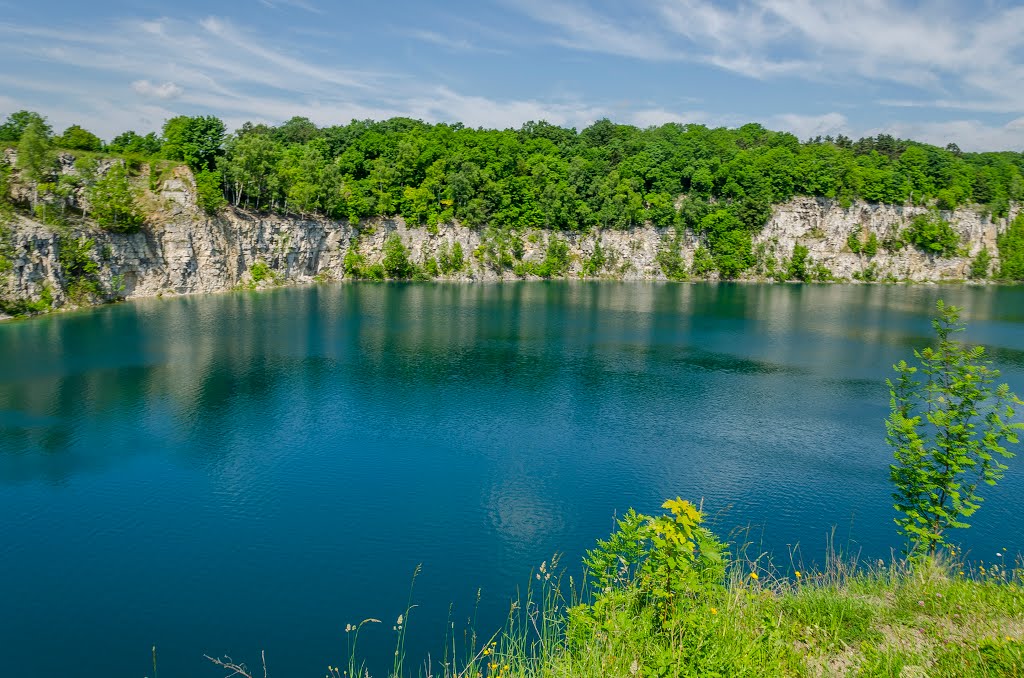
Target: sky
938,71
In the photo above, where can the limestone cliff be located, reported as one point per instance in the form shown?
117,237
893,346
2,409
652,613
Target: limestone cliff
182,250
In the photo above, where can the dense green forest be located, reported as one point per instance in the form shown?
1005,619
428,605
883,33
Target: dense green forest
721,183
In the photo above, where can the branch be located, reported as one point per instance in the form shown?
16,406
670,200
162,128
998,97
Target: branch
236,669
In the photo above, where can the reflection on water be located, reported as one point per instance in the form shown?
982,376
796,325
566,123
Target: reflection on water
248,471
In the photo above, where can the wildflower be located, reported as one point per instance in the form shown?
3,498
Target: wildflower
714,610
999,555
505,667
920,603
798,575
487,651
753,575
961,573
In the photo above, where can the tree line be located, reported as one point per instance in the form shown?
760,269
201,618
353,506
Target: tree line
721,183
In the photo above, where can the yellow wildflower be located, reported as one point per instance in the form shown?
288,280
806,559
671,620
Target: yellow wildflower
798,575
753,575
714,610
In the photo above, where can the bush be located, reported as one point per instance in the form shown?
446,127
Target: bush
853,241
595,263
396,259
1011,250
948,434
260,272
78,269
932,235
209,193
798,264
450,261
980,264
703,262
670,259
556,259
870,248
112,198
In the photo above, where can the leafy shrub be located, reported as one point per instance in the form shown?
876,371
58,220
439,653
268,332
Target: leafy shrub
798,264
853,241
450,260
260,272
1011,250
703,262
948,433
980,264
670,258
396,258
78,269
209,194
932,235
870,248
556,259
112,198
595,263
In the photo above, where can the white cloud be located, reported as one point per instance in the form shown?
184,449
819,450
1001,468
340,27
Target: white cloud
167,90
963,56
809,126
656,117
582,28
970,135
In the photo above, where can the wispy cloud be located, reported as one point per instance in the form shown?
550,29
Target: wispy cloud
449,43
970,55
582,28
167,90
214,65
283,4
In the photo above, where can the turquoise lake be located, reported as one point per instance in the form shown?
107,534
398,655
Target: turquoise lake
230,473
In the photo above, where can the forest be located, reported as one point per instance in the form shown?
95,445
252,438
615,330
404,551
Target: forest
720,183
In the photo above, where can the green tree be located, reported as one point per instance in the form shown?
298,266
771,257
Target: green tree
932,235
209,193
1011,250
79,139
35,160
112,198
871,246
196,140
798,264
703,262
396,258
948,432
130,142
670,257
18,122
980,264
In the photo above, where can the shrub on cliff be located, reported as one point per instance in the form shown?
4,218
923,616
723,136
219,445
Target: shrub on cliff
113,201
396,258
932,235
1011,250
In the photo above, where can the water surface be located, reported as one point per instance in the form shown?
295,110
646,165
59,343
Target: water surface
251,471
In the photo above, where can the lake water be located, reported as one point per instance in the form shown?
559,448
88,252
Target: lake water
249,471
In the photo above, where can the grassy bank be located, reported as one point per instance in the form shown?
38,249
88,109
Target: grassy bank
663,597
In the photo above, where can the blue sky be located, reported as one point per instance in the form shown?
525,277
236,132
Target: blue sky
938,71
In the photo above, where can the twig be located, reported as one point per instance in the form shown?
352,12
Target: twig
236,669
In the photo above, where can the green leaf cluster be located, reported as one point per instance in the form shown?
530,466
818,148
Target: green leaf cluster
933,235
949,431
113,201
1011,250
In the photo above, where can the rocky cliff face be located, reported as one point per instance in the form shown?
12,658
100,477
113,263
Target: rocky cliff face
182,250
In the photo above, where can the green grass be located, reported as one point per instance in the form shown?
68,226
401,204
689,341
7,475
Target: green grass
844,619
